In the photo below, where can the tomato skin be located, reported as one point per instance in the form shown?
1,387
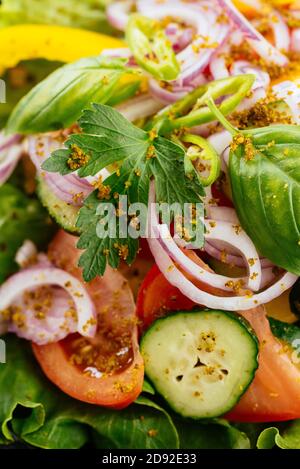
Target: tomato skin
157,296
70,379
117,389
274,394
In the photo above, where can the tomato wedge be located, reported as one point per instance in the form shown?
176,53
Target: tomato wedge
274,394
108,369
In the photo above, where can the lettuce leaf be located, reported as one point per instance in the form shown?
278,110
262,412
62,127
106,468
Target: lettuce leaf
32,410
288,438
21,218
89,14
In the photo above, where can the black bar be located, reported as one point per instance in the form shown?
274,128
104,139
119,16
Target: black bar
93,458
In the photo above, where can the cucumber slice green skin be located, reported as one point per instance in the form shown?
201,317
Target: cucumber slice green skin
288,333
64,214
201,362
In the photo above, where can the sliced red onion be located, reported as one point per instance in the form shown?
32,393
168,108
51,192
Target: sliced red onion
39,276
32,318
70,188
233,235
227,214
259,88
189,266
118,13
179,38
122,52
295,40
10,153
231,259
241,67
176,278
203,17
139,107
289,92
8,140
255,39
166,96
26,253
247,103
218,67
220,141
280,30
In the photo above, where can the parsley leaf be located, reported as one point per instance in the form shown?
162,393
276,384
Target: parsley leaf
109,138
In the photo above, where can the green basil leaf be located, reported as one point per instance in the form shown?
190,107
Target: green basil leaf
58,100
266,193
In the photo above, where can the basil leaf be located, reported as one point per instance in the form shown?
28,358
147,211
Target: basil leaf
266,193
57,101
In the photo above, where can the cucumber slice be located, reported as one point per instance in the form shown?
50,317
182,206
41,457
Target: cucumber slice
64,214
201,362
289,333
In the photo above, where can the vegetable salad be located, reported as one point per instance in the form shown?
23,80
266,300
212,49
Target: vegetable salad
150,214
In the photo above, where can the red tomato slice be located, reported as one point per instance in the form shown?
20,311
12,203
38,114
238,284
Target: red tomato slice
274,394
113,354
157,296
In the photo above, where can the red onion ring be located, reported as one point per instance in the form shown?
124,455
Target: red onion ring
281,31
255,39
39,276
233,235
289,92
118,13
8,140
10,154
139,107
241,67
70,188
232,259
209,278
203,17
295,40
176,278
165,96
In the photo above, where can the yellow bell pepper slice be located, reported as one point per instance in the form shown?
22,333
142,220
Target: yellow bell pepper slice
56,43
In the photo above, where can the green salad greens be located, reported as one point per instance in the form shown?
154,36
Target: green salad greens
89,14
34,411
21,218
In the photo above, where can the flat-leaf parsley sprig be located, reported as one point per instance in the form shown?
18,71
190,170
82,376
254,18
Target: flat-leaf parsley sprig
108,138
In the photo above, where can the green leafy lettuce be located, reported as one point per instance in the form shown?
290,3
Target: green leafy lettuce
21,218
89,14
32,410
